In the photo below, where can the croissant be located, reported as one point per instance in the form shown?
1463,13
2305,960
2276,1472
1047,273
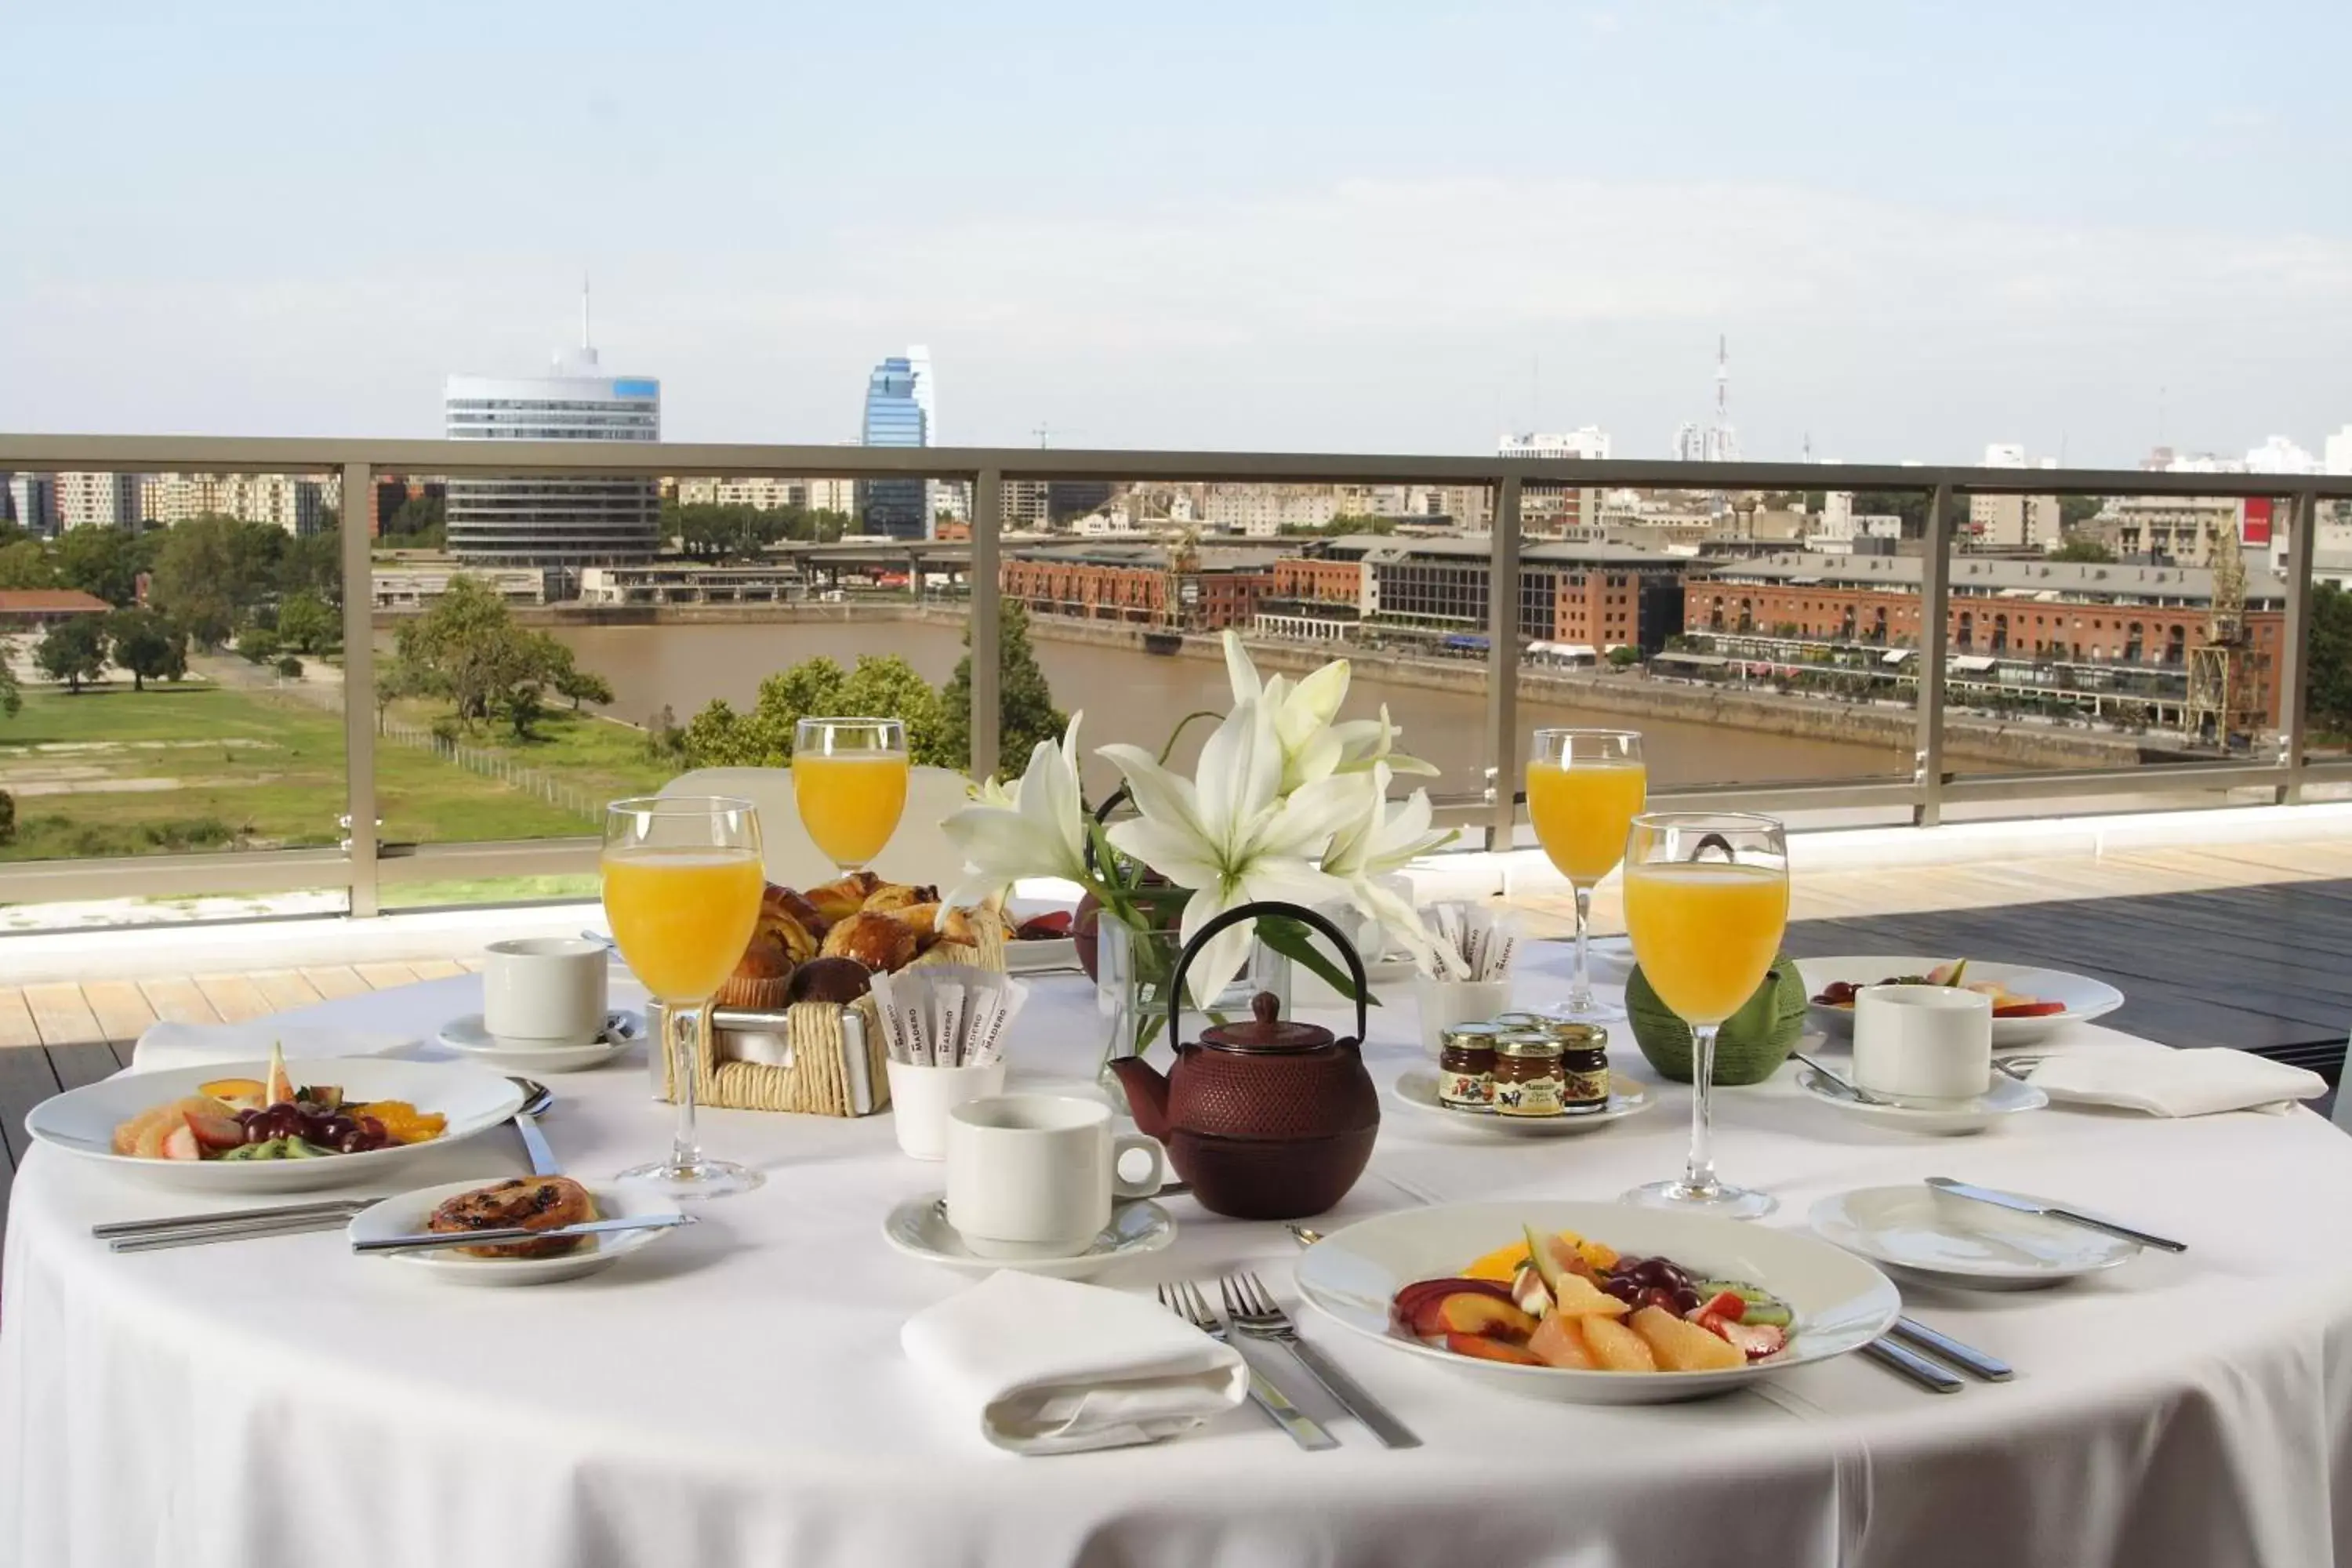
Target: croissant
881,943
896,898
931,927
843,896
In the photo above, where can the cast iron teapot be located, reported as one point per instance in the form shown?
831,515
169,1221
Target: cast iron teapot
1272,1119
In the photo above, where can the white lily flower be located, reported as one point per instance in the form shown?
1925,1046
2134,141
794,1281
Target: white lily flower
1379,844
1363,743
1302,712
1036,827
1236,836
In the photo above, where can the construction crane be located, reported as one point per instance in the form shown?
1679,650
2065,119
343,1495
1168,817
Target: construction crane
2224,706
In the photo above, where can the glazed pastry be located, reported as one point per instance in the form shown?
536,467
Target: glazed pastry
779,941
892,897
843,896
532,1203
839,981
883,942
932,928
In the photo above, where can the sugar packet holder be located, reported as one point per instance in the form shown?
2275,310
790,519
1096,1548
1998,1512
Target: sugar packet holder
1473,941
946,1016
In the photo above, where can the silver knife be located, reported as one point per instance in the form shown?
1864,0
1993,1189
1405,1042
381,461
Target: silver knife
534,1144
1926,1371
227,1230
2052,1211
433,1239
1967,1358
343,1207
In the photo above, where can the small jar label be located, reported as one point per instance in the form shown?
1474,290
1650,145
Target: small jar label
1587,1091
1465,1088
1529,1097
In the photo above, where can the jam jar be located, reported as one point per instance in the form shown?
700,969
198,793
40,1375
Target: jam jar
1527,1077
1466,1067
1584,1068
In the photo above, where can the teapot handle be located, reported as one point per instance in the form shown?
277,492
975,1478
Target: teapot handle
1298,912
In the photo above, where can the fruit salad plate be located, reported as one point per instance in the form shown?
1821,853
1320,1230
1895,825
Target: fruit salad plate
83,1121
1836,1301
2077,999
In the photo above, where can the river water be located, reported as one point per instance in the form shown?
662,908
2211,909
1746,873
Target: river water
1133,695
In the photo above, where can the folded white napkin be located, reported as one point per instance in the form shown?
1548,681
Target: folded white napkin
201,1045
1057,1367
2163,1081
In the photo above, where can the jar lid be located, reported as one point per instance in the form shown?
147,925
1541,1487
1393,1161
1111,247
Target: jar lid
1520,1020
1578,1037
1526,1042
1471,1034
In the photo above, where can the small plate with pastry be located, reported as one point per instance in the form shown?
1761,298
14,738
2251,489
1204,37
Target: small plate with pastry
531,1203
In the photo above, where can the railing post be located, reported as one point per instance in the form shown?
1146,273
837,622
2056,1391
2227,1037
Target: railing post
1935,601
2294,645
987,590
1502,668
359,685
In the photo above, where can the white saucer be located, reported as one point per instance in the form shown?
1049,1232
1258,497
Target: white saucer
1416,1089
407,1215
919,1229
1940,1118
467,1036
1926,1234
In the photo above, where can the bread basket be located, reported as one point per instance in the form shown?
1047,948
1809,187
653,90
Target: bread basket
818,1058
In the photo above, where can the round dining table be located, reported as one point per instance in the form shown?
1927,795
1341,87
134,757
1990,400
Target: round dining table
737,1397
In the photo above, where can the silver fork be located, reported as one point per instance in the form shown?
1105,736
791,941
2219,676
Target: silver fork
1188,1304
1251,1308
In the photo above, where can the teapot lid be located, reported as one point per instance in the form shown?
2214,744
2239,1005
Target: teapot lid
1267,1031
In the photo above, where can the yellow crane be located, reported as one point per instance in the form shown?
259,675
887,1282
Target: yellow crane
2224,708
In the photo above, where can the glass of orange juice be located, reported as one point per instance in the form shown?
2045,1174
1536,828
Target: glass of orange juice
1706,898
682,882
1584,788
849,780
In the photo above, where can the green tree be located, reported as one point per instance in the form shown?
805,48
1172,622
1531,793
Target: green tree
420,523
581,685
12,698
211,572
1025,710
1624,656
73,651
2082,547
2073,511
884,685
102,561
257,644
469,650
312,563
148,645
26,563
308,624
2328,697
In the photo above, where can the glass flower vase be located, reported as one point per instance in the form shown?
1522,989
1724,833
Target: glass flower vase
1133,970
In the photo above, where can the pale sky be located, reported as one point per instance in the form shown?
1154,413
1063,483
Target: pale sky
1276,226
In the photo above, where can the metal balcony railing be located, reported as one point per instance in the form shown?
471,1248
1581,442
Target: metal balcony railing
361,864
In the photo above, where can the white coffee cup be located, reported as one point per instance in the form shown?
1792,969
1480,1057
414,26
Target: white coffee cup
1923,1042
922,1097
1032,1175
544,990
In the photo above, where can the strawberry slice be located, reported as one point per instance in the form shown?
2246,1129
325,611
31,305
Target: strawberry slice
1756,1341
1728,1305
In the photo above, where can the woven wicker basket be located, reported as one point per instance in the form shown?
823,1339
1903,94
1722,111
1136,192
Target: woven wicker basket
818,1058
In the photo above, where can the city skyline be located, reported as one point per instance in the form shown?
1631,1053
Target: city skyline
2090,233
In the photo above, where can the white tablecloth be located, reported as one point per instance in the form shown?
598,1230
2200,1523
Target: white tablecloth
737,1396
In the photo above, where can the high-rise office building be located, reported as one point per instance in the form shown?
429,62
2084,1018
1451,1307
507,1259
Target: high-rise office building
546,522
33,503
895,416
97,501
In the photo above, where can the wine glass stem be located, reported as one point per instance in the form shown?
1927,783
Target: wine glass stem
685,1146
1579,992
1699,1174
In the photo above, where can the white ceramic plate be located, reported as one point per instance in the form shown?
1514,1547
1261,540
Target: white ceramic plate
407,1215
919,1229
468,1037
81,1121
1044,954
2086,998
1417,1091
1939,1118
1840,1302
1922,1233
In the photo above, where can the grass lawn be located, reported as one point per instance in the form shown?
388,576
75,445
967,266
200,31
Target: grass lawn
197,767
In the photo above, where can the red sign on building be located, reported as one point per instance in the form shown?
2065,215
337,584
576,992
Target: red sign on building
2256,527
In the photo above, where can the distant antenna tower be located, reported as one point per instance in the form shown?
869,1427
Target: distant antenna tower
1722,381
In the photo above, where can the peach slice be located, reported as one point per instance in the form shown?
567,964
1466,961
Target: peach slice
234,1088
127,1133
1578,1297
1681,1346
1463,1313
181,1144
1487,1349
1559,1342
1618,1348
1422,1292
166,1122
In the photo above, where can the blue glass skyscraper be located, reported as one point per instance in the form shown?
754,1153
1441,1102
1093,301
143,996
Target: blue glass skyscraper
895,417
